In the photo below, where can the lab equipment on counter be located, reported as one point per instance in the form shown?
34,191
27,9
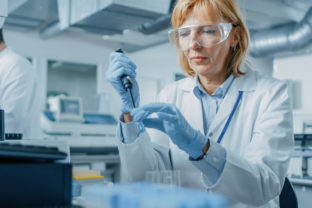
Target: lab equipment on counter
13,136
96,132
144,195
66,108
3,134
2,127
300,164
92,141
22,152
86,174
34,176
35,184
76,188
300,169
85,177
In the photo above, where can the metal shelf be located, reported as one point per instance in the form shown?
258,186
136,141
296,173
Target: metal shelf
300,153
76,159
301,181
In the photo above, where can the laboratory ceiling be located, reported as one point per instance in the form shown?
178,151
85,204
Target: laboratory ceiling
138,24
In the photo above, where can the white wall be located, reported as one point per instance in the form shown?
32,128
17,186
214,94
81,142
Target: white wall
298,70
160,61
262,65
67,47
155,68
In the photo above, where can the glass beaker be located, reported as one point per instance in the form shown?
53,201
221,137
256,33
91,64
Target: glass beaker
168,177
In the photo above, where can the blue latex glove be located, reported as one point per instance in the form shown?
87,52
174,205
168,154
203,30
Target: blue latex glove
171,121
119,65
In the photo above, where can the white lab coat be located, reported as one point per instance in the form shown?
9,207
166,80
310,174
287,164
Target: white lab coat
258,142
18,94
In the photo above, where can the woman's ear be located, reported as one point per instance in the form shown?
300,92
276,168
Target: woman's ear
235,36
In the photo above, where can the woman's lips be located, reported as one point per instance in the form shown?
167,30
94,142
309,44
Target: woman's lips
198,59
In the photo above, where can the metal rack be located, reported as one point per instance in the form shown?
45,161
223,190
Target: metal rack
303,151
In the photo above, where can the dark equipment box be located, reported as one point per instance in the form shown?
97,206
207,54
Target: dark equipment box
35,184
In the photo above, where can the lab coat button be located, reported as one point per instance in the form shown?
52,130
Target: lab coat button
214,159
210,134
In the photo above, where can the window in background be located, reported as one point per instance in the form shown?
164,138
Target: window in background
73,79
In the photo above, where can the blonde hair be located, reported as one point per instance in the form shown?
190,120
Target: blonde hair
226,9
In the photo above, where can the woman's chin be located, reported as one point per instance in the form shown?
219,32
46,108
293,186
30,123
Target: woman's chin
202,70
208,72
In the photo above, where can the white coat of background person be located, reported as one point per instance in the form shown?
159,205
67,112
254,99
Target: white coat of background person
226,131
18,97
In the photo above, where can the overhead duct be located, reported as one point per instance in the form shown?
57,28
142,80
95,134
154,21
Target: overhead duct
25,15
282,38
158,25
106,17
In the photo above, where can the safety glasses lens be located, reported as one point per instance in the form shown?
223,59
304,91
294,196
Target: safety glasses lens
205,36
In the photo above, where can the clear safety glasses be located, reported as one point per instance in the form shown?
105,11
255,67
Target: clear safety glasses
204,35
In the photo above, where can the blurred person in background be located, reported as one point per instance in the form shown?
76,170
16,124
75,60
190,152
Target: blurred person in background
18,93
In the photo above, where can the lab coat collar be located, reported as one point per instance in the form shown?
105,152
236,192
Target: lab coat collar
247,82
4,51
218,93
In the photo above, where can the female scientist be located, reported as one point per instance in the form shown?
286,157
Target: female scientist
226,130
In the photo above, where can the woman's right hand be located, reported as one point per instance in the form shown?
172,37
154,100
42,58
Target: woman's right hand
120,65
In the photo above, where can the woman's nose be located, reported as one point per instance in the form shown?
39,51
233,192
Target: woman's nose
193,42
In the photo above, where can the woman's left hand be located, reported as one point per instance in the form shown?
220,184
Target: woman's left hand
171,121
